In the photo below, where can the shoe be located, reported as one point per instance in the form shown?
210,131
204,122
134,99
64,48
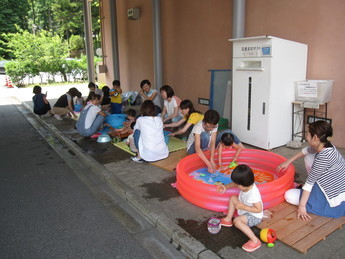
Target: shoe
250,246
58,117
225,223
136,159
47,115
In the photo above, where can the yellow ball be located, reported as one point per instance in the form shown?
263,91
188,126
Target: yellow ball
264,234
268,235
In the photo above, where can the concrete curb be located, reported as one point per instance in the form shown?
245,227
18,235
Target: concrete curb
183,239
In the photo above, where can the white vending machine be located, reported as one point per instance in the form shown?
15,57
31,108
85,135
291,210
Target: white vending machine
264,71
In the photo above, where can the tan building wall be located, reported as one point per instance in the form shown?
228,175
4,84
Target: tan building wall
195,37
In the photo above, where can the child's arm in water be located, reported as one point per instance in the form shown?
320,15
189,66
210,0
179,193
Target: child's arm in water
220,153
221,188
238,148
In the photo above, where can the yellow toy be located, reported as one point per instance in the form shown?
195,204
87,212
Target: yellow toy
268,236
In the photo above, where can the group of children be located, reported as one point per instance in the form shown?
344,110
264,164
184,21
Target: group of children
145,137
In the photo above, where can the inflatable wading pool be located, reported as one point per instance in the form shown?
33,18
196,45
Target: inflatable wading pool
197,186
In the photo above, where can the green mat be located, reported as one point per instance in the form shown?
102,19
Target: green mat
175,144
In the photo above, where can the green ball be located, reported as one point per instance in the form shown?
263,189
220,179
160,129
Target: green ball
270,245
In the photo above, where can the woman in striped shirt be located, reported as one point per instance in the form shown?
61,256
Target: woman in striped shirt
323,193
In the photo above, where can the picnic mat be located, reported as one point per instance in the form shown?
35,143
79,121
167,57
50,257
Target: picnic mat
299,234
175,144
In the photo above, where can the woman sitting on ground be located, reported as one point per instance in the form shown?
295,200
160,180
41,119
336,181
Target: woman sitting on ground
147,93
323,193
41,104
191,117
170,111
148,135
91,117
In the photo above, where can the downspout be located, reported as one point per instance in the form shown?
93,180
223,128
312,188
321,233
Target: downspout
238,20
114,40
89,40
238,31
157,49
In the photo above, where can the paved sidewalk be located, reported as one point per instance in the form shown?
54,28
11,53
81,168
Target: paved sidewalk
148,189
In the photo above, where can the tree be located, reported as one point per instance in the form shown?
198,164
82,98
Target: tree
12,13
68,15
41,16
40,52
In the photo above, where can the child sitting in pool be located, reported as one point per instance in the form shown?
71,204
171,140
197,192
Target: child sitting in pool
248,205
126,130
227,140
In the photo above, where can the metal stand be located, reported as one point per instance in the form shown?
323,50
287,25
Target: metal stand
299,118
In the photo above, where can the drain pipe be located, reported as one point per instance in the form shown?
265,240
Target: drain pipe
114,40
238,21
238,28
157,49
89,40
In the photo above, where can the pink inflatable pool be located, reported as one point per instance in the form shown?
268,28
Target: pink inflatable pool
205,195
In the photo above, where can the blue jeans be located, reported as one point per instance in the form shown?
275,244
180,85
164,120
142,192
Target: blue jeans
93,128
204,143
136,136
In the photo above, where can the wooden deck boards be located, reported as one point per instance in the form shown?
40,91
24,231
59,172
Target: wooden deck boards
171,161
299,234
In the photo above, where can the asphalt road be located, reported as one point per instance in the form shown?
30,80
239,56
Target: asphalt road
50,210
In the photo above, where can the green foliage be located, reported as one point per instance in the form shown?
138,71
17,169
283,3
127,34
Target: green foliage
42,52
16,70
41,15
12,13
76,46
69,16
40,34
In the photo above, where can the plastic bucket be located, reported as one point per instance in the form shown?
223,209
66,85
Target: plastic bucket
77,107
116,120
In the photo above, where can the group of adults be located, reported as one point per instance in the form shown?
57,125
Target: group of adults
322,194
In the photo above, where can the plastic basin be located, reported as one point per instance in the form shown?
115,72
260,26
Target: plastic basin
116,120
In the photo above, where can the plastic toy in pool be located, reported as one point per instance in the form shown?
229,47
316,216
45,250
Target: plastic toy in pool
116,120
206,196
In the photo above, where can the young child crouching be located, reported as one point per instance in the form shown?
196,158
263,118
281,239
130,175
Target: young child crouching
248,205
130,141
126,130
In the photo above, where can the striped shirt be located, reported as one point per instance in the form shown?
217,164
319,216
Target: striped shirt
328,171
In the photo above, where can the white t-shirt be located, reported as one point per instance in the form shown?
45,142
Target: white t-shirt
91,114
156,100
170,106
198,129
152,145
249,198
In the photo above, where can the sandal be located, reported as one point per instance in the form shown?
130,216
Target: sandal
225,223
250,246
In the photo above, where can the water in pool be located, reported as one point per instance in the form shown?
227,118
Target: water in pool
223,176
